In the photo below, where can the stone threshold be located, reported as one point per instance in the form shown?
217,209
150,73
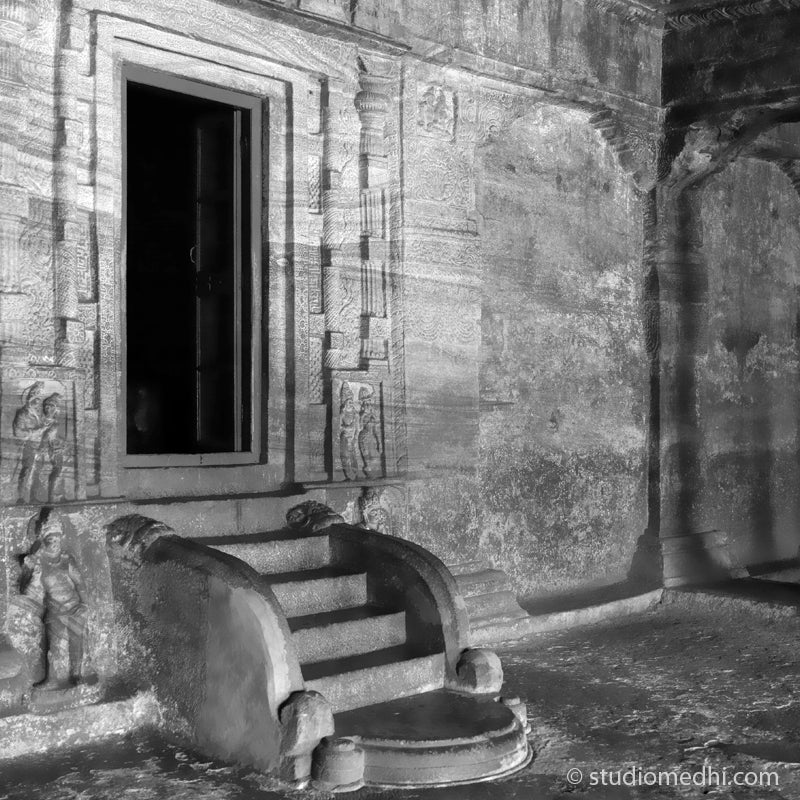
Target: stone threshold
29,734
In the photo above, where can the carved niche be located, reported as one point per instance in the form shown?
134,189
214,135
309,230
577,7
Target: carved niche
38,445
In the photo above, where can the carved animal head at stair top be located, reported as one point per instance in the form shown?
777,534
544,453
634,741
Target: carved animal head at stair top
312,516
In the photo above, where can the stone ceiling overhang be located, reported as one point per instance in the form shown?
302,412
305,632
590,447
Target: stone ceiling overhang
687,14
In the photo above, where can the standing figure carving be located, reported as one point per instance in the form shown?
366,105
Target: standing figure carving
348,432
53,584
35,426
369,435
27,428
52,446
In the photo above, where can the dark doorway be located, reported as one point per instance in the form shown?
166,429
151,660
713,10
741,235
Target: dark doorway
188,292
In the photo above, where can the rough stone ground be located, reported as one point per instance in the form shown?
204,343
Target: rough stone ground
676,688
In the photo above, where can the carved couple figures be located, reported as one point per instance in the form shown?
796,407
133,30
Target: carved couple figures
35,426
360,444
54,590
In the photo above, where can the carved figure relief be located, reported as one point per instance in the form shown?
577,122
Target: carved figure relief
348,432
51,621
360,432
436,110
370,445
52,581
38,458
41,454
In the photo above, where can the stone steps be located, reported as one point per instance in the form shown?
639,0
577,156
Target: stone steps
346,632
275,553
359,645
319,590
354,682
494,613
351,650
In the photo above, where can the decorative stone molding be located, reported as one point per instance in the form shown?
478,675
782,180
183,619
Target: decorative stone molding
726,11
687,16
636,149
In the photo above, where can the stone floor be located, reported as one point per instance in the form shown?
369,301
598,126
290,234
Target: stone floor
697,686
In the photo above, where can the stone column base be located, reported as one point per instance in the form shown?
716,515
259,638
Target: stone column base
692,558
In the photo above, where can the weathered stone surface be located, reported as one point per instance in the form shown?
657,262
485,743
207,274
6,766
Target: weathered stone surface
748,375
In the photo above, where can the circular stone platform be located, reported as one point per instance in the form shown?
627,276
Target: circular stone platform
434,739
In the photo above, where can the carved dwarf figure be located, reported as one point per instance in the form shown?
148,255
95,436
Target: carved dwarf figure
51,579
348,432
369,435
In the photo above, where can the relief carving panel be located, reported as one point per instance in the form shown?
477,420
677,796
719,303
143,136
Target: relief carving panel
38,440
358,429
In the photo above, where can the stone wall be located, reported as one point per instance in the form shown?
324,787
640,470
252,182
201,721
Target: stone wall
563,382
451,267
749,377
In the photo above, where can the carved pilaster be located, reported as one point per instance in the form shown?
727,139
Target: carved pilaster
13,198
372,105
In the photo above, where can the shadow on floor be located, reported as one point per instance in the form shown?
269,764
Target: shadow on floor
584,598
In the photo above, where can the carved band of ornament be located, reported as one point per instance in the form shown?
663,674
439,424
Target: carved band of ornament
727,12
372,213
372,297
10,229
374,349
315,185
10,64
368,101
694,18
372,142
315,371
14,10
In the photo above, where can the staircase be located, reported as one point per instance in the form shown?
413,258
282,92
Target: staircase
378,626
494,613
353,643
